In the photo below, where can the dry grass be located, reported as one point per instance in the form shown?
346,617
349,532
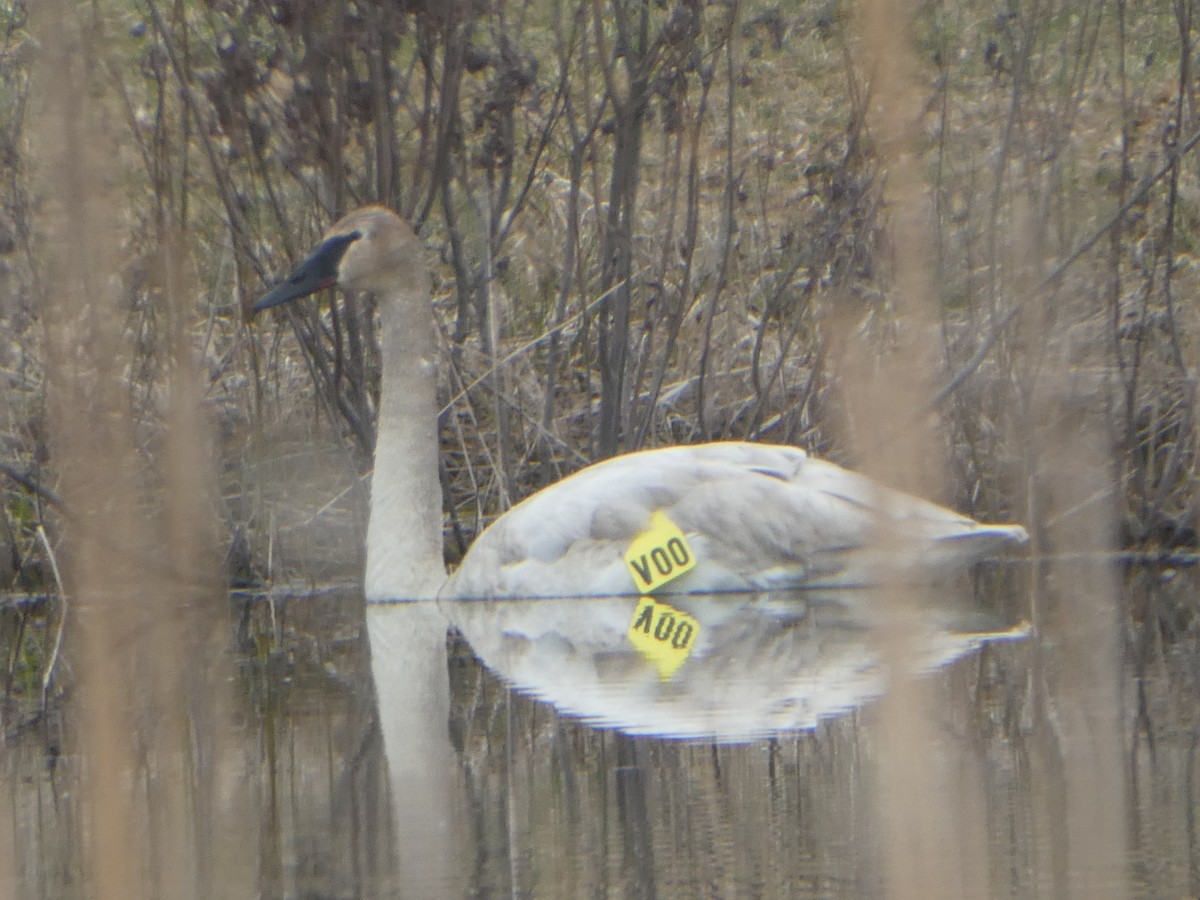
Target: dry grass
726,291
657,224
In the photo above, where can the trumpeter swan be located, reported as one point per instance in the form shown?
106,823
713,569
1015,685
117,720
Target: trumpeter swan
742,516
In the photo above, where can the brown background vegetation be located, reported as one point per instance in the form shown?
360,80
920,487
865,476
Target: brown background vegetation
955,249
651,223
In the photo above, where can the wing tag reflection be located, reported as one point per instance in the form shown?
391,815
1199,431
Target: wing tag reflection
663,635
725,667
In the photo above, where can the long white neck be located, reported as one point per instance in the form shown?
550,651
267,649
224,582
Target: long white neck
404,534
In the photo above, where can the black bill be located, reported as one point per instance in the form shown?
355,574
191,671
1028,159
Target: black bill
317,272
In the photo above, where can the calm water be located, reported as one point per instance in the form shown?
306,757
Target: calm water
746,747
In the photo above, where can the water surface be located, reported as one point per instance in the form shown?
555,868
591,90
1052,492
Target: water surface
783,757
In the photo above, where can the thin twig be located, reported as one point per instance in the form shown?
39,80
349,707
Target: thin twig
529,345
30,484
51,664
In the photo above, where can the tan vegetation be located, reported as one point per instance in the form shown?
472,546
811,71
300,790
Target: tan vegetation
967,256
651,223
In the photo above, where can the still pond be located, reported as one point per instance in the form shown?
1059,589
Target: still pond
1021,734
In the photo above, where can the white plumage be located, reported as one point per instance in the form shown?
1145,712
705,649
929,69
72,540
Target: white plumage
757,516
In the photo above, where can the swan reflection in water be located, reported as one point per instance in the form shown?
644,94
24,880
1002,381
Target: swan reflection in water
755,665
724,667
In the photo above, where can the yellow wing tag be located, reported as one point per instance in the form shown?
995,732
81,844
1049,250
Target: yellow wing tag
663,634
659,554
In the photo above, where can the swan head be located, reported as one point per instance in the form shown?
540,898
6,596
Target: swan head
371,249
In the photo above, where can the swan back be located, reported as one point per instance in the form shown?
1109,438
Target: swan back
755,516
